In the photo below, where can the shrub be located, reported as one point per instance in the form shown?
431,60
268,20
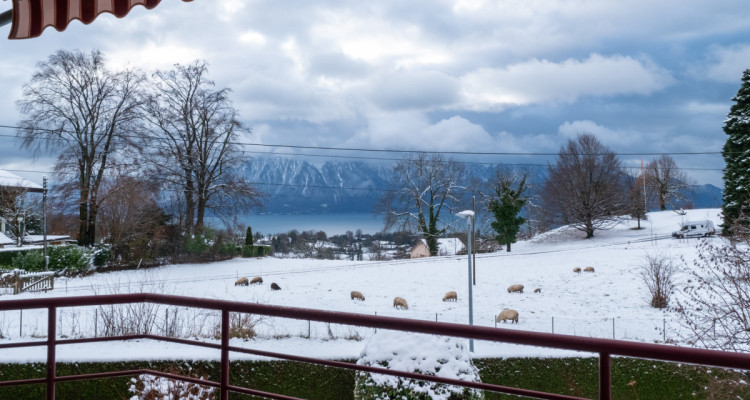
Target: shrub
196,244
149,387
658,275
73,258
256,251
424,354
29,261
102,252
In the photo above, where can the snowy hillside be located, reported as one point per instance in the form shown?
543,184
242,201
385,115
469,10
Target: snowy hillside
612,301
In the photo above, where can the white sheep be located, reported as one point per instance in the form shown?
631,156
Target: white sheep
515,288
357,295
241,282
400,302
577,270
256,281
450,296
507,314
588,269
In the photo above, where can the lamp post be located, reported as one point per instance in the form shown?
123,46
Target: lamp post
469,215
19,238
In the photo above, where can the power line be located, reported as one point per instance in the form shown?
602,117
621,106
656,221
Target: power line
398,151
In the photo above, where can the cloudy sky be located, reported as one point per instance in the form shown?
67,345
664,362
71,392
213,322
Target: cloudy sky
519,76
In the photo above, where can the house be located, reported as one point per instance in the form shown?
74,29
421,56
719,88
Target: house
446,247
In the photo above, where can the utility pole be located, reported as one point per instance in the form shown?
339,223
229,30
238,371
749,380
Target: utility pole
472,246
44,221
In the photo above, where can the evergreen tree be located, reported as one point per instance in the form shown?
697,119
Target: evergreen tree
736,154
506,208
249,236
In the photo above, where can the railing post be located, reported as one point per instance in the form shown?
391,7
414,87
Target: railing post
605,376
51,362
224,392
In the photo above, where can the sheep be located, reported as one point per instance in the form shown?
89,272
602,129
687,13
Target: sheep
274,286
400,302
577,270
256,281
241,282
450,296
538,290
515,288
588,269
507,314
357,295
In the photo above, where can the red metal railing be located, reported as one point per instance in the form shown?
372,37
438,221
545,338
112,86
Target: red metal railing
604,347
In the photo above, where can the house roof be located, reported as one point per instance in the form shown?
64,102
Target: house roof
13,181
5,240
447,244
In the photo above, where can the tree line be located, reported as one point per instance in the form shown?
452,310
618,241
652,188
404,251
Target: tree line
586,188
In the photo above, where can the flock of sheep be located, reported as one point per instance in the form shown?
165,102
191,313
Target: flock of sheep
400,303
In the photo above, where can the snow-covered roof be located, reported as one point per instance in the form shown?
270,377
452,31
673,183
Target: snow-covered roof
447,245
5,240
10,180
40,238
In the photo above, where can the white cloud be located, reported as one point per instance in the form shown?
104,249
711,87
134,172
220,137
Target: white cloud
615,139
423,90
540,81
728,63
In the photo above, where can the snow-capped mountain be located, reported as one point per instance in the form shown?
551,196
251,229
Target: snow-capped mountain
296,186
300,187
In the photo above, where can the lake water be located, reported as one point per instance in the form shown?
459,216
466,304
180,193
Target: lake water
331,224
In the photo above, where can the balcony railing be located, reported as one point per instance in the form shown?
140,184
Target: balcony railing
604,347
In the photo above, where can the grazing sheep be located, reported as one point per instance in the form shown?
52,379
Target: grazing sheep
507,314
274,286
256,281
357,295
515,288
538,290
577,269
450,296
588,269
399,302
241,282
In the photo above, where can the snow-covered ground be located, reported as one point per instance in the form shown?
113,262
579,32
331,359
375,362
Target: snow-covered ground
611,302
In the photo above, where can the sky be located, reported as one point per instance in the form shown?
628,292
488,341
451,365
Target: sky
515,76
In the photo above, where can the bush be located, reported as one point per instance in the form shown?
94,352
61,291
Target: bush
29,261
658,275
73,258
255,251
196,244
102,252
424,354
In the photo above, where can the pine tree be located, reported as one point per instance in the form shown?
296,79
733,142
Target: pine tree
249,236
736,154
506,208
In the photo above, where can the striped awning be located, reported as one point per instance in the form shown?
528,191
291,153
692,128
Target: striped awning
31,17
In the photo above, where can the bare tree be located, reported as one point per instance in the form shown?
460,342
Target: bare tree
658,275
666,183
585,187
715,306
428,188
130,218
78,108
195,130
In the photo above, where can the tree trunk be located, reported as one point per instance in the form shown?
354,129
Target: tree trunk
507,247
83,219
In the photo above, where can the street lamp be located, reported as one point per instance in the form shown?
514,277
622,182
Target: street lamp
469,215
19,238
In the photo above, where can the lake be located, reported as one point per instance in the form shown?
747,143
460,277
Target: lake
331,224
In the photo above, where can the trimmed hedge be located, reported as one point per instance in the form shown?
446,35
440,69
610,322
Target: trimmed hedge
6,257
571,376
250,250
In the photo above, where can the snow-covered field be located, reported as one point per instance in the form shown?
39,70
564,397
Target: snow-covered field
611,302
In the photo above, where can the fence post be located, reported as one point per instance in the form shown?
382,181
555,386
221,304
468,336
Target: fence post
166,322
553,324
605,377
224,383
436,317
96,321
613,328
20,324
308,329
51,342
